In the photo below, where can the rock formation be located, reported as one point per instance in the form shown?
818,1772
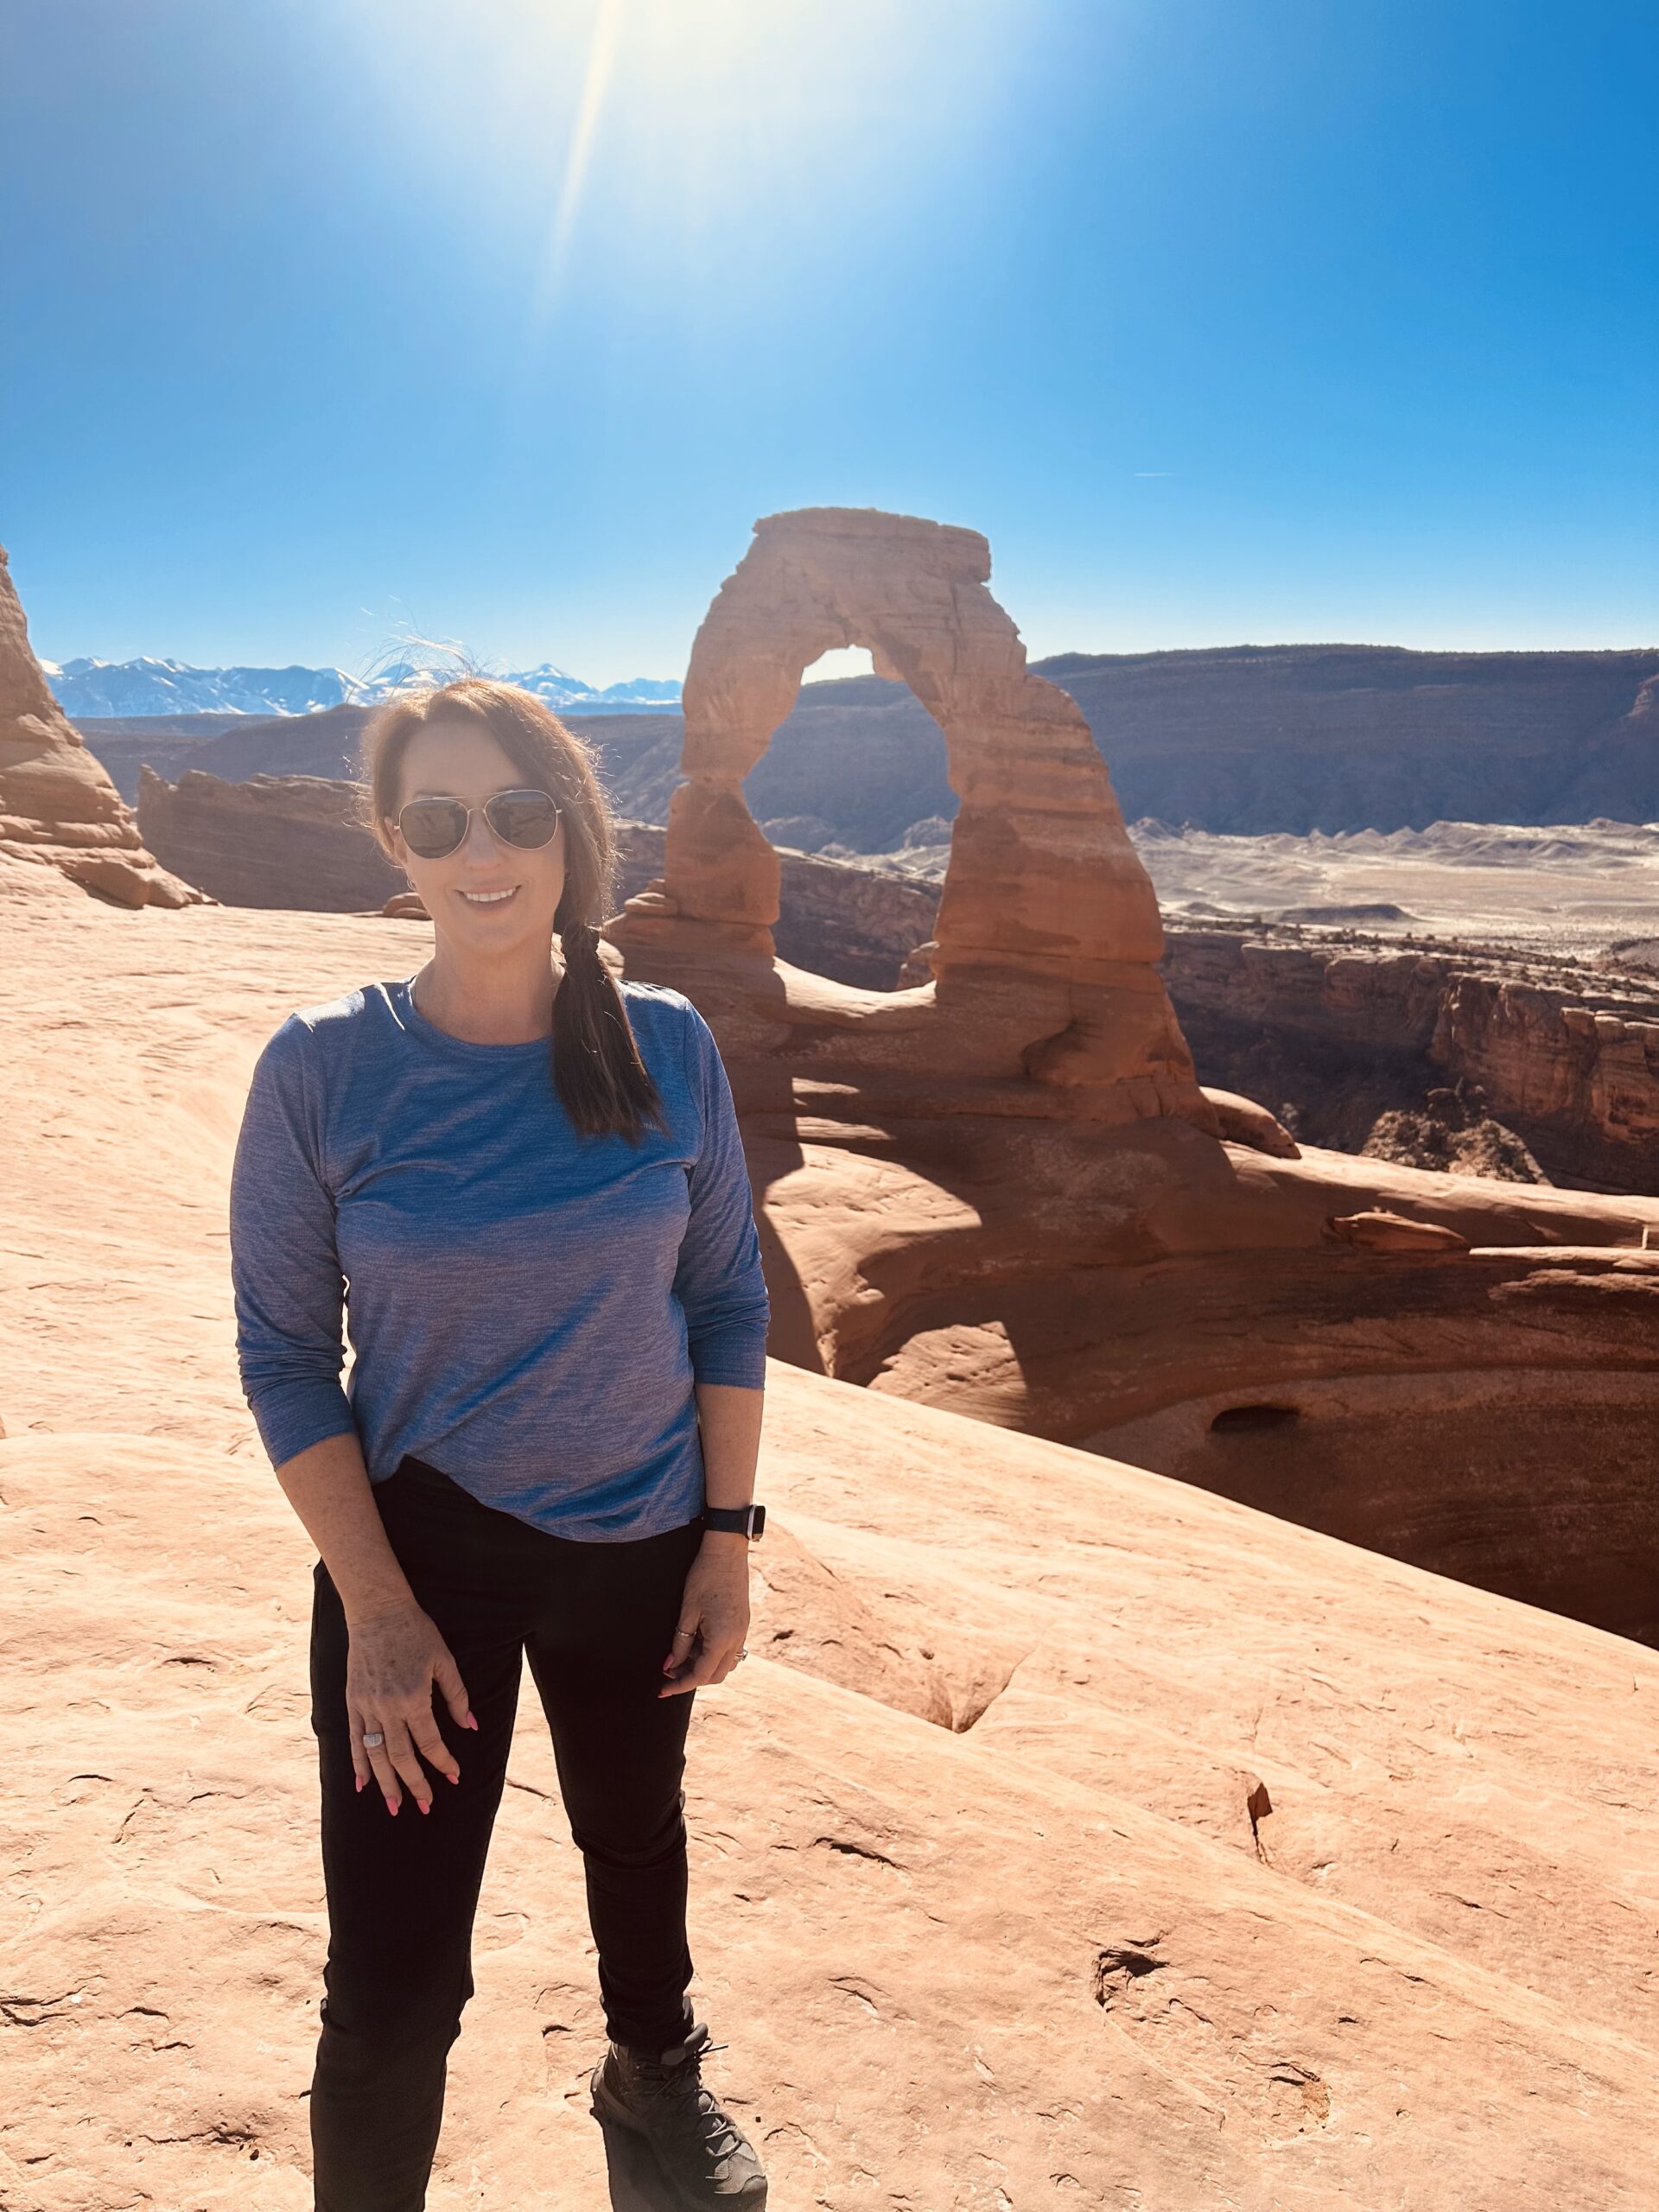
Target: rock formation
1344,1034
1453,1132
1044,975
1241,1120
57,806
298,842
948,1221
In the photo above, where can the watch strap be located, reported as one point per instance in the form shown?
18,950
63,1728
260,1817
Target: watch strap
736,1520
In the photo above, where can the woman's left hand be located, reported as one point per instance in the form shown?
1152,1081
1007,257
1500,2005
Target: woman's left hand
714,1616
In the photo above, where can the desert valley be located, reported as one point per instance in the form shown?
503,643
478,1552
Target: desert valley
1207,1661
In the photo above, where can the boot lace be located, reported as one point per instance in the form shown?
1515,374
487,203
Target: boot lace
687,2099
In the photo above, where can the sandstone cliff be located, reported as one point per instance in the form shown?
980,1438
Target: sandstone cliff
1340,1034
298,842
57,804
1252,739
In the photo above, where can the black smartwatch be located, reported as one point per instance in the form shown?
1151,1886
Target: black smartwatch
736,1520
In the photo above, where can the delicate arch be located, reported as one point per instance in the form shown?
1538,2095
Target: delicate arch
1048,930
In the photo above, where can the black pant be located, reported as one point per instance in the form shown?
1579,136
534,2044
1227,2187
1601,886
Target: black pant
597,1621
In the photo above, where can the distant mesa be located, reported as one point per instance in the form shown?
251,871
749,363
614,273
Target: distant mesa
1381,909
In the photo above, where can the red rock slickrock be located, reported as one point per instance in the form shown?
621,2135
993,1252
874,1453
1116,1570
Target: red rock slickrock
57,804
1379,1230
1071,1833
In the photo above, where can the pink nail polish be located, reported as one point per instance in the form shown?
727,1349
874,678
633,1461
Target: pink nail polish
471,1722
454,1777
360,1782
425,1804
391,1807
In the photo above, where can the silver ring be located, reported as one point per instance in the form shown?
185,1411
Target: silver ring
374,1742
743,1654
680,1632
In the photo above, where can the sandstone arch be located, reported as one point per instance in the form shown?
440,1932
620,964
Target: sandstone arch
1048,930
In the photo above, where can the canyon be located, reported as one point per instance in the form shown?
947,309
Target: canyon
1334,1034
1205,1660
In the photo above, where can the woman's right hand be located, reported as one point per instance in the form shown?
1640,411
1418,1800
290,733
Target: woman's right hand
394,1660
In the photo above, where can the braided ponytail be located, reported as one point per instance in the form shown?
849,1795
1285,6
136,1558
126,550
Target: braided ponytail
597,1070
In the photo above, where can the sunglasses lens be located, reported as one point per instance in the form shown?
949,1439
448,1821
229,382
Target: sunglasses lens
526,819
433,827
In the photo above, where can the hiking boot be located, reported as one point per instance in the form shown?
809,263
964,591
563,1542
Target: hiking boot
703,2152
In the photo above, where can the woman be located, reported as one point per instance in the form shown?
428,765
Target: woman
532,1181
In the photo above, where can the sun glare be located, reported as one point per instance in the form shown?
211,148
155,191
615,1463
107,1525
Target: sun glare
596,77
620,119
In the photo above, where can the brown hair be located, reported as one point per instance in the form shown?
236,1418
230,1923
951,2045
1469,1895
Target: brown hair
597,1070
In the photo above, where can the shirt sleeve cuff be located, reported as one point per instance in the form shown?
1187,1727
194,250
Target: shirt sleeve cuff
737,1356
295,1415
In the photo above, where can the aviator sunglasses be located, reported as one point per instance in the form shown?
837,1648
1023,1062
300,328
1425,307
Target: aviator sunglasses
435,827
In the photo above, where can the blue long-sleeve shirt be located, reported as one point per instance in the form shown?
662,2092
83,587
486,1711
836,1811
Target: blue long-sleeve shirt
529,1309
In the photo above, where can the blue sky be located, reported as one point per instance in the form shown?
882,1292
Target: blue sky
1225,319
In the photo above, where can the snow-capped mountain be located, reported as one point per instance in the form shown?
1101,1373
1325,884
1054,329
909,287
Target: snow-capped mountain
172,687
137,688
560,689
